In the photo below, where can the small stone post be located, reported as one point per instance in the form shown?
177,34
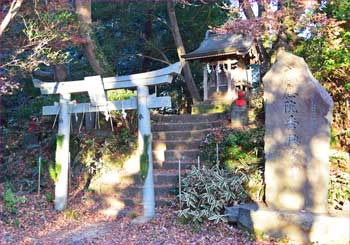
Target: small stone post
62,154
144,123
239,112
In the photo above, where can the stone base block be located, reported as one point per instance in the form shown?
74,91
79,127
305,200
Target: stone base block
298,226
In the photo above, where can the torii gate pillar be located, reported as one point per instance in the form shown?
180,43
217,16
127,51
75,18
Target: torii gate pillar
144,122
62,154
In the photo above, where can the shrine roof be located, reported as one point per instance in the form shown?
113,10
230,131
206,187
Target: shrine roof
221,45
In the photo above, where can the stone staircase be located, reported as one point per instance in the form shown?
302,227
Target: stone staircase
175,137
178,137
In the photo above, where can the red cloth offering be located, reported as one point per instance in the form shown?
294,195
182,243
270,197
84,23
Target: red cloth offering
31,126
241,100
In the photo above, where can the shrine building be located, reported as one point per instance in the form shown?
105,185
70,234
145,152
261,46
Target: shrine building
231,63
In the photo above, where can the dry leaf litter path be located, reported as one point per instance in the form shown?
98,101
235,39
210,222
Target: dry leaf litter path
84,223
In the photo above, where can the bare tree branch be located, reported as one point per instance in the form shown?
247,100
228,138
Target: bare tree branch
14,8
181,51
154,58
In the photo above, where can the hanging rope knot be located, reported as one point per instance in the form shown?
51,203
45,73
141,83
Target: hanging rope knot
74,103
124,114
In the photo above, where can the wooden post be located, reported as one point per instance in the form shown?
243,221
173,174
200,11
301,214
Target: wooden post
39,172
62,154
217,153
229,80
144,123
180,183
205,82
217,69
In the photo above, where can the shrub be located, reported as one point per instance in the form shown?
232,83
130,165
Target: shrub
10,201
339,190
239,151
206,192
111,150
339,183
71,214
236,148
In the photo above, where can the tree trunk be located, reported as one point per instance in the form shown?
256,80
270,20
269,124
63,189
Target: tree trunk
145,65
14,8
83,10
60,72
181,51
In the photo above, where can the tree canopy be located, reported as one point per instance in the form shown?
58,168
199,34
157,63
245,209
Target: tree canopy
48,39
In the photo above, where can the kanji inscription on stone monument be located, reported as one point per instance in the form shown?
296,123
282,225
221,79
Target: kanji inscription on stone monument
298,116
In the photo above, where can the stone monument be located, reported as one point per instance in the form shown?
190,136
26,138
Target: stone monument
298,113
298,116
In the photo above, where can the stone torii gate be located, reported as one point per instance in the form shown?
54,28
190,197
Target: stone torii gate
96,86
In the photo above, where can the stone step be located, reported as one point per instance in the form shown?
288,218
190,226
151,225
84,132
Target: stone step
164,176
176,144
181,135
135,191
187,118
174,165
160,201
108,200
161,156
161,176
169,176
186,126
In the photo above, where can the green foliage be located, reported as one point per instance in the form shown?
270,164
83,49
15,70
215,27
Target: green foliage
10,201
236,148
338,9
32,107
71,214
112,151
339,190
59,141
49,196
327,53
121,94
256,112
339,183
205,193
43,35
54,171
334,140
120,33
144,159
239,152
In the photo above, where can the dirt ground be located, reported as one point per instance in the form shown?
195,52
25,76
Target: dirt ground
36,222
